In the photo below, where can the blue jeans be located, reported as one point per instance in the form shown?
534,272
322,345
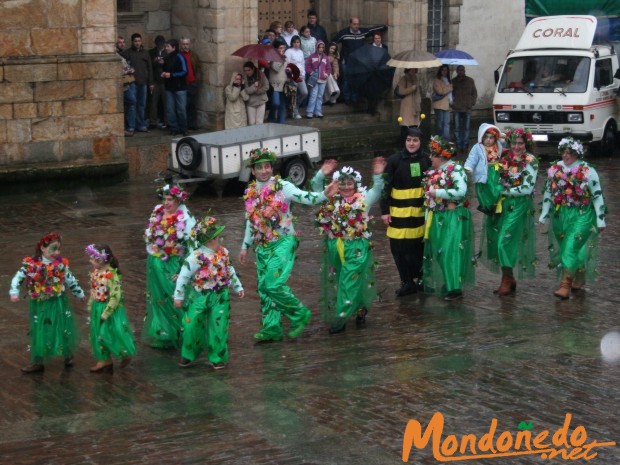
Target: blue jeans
442,124
461,128
141,94
176,102
129,99
278,104
315,103
347,90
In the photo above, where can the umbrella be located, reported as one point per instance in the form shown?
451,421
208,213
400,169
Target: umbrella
414,59
367,71
264,52
456,57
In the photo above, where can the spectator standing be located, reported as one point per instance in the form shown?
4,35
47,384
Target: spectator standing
317,69
296,57
129,89
120,45
316,30
276,27
411,101
351,38
236,115
277,79
193,79
289,32
332,91
140,60
256,86
465,95
442,101
308,43
175,70
373,100
157,105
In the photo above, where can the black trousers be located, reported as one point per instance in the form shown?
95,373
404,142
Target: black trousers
408,255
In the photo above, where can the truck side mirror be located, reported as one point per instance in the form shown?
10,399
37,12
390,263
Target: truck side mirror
496,76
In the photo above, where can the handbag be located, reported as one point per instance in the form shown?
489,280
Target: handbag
332,88
313,78
435,96
397,94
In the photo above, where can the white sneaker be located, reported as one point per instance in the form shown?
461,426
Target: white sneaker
297,117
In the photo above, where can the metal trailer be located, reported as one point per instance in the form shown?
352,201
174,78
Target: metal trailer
222,154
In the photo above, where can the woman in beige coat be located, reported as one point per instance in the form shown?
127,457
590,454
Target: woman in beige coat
442,101
277,78
256,86
411,98
236,96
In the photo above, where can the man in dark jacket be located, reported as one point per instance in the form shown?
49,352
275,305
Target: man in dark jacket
402,210
175,70
316,30
157,102
464,95
140,60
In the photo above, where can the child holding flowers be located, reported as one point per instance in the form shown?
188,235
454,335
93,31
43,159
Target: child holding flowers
53,330
347,272
573,199
166,244
210,273
509,235
110,331
449,235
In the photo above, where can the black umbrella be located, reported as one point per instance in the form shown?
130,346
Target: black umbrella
367,71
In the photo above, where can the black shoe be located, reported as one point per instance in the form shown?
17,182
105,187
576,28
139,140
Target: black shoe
406,289
337,329
219,366
360,319
184,362
453,295
33,368
69,361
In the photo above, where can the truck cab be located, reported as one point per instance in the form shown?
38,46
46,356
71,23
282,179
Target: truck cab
558,83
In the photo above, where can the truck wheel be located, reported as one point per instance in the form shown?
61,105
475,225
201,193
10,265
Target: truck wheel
188,153
607,145
297,171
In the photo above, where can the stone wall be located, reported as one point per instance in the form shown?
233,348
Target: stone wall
60,90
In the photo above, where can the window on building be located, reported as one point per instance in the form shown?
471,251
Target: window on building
435,26
123,5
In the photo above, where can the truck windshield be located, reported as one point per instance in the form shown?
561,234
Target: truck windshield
545,74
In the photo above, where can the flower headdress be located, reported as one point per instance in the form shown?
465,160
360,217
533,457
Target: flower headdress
439,147
175,191
512,134
573,145
205,230
99,255
259,156
47,240
347,172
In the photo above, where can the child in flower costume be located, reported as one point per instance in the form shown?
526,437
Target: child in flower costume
509,237
269,228
449,236
53,330
482,165
110,331
574,202
347,273
203,284
166,244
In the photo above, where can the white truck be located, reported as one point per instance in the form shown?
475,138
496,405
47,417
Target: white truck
558,82
222,154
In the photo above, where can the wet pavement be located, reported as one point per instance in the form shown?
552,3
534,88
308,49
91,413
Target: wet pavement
321,399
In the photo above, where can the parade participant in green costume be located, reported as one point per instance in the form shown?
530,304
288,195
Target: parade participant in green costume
449,236
509,235
573,199
110,331
269,228
347,271
210,273
53,330
166,244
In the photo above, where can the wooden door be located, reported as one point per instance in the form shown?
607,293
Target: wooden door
282,10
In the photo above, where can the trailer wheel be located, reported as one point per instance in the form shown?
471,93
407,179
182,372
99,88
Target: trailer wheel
607,145
188,153
297,171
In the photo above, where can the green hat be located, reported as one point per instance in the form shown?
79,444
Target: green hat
260,156
205,230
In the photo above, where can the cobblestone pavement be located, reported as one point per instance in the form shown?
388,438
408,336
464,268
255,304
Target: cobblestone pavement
321,399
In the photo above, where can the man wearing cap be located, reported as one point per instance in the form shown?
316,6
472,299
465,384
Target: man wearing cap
157,100
402,210
269,228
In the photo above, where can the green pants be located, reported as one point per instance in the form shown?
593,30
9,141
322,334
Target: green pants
274,264
206,324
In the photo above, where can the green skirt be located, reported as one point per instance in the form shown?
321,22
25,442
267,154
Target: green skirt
488,193
449,252
113,336
573,242
163,322
508,239
53,329
348,281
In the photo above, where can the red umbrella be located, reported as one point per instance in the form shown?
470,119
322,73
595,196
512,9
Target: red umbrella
264,52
